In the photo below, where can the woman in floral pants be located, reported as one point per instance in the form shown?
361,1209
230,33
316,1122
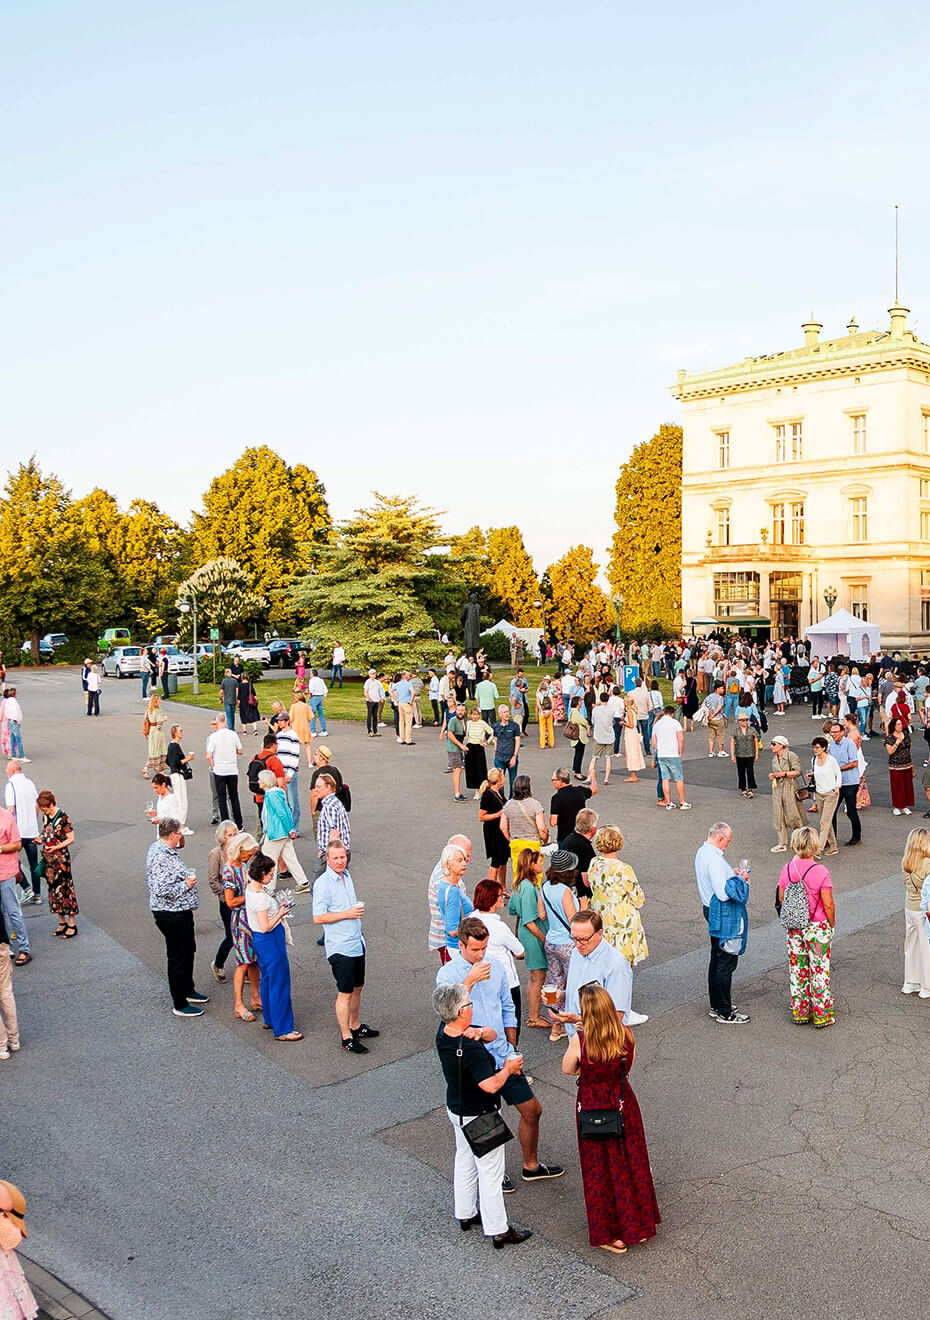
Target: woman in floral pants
809,948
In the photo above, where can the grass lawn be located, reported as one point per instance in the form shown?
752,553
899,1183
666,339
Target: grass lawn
348,703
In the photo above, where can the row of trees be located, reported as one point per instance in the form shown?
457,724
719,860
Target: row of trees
264,552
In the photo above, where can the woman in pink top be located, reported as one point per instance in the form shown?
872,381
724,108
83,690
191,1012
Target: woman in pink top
809,948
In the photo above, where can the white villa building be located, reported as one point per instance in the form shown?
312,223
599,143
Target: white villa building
808,472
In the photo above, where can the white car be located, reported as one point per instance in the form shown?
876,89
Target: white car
179,662
122,662
249,650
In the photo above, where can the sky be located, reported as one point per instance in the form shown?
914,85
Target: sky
452,249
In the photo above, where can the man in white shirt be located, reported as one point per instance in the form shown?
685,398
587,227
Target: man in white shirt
13,714
374,695
316,691
828,780
339,659
93,690
668,745
602,734
223,748
20,798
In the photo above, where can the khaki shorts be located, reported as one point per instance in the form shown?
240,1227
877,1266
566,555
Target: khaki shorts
602,749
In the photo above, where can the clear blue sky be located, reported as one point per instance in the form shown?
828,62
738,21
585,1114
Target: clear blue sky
459,249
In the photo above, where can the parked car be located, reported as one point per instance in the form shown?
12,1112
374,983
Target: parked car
122,662
283,651
55,640
46,652
114,637
165,639
204,651
249,650
179,662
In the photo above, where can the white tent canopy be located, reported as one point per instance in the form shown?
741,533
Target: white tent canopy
530,636
843,634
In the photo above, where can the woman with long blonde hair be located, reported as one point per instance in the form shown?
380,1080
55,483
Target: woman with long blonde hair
916,867
619,1194
153,728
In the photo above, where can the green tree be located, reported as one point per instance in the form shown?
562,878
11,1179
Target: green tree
369,583
578,608
645,558
513,578
48,581
224,594
270,518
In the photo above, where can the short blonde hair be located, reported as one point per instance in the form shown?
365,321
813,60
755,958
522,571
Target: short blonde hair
608,839
805,842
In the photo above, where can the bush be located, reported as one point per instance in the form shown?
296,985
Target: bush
253,669
496,646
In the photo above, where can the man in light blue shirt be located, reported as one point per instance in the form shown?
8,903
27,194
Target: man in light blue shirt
337,909
845,751
593,959
493,1006
403,691
712,871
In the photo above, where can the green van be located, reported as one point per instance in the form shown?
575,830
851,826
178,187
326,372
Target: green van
114,637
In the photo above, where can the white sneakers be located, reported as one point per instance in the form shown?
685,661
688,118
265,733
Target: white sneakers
636,1019
910,988
896,811
779,847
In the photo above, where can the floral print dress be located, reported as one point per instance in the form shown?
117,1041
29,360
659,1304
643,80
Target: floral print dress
239,923
61,896
617,896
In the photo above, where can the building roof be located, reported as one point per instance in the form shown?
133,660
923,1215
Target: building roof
855,353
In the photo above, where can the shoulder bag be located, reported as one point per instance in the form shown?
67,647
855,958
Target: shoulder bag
598,1124
486,1132
554,911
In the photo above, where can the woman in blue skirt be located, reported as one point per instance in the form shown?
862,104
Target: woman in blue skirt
265,916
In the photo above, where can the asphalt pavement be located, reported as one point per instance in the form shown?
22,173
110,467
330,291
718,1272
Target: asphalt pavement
198,1167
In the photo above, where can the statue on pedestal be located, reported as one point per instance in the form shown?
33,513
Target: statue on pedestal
471,623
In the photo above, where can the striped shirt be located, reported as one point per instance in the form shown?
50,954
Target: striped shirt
289,752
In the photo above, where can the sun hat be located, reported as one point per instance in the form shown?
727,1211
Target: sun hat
780,738
17,1208
563,860
324,751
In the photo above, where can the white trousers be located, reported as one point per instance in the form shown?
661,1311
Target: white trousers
275,848
477,1182
179,788
916,950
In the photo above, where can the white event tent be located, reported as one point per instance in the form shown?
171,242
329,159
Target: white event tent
529,636
843,634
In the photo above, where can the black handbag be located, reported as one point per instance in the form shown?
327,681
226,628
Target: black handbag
486,1132
598,1124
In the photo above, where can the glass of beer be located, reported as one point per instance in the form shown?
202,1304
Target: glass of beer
550,994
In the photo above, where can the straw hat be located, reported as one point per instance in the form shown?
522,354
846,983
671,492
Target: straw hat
17,1208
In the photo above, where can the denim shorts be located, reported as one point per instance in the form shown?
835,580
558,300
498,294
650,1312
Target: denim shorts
670,768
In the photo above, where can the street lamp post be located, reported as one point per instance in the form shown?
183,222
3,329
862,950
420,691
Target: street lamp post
184,606
540,604
618,606
829,595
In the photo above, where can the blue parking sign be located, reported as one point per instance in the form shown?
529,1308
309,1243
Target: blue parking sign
630,675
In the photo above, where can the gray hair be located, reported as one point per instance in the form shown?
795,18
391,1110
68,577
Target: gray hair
449,1000
266,779
221,719
562,775
167,827
222,828
451,851
238,842
719,829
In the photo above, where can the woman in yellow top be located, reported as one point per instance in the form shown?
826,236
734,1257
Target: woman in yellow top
300,723
157,743
616,894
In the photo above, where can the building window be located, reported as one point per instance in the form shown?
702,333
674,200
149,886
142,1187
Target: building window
736,595
859,600
925,579
723,526
925,422
925,524
858,429
723,449
787,442
788,523
925,488
859,518
925,616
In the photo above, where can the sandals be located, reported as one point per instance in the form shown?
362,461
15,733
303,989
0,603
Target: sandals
750,794
245,1015
22,959
631,779
291,1035
538,1022
70,932
612,1246
59,931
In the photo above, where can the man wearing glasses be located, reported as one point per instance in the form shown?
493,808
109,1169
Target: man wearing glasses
595,962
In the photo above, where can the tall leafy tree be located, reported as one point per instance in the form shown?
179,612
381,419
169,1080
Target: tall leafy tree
224,594
270,518
645,558
48,582
513,577
578,608
368,586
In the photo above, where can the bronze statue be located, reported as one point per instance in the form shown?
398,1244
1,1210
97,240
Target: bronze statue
471,623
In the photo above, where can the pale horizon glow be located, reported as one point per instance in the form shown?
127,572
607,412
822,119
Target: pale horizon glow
458,252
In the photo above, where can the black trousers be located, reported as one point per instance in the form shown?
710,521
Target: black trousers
745,772
848,798
578,756
164,685
225,948
227,787
178,930
720,977
518,1008
31,850
371,720
817,703
93,703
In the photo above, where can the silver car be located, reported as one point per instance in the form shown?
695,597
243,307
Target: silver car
122,662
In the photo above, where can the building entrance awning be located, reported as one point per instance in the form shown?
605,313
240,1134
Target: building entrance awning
747,621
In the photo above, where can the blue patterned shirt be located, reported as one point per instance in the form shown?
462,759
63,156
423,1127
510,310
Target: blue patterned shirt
166,876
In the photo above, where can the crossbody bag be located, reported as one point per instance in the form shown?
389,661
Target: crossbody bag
598,1124
486,1132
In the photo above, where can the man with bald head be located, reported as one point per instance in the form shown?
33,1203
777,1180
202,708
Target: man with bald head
437,929
712,871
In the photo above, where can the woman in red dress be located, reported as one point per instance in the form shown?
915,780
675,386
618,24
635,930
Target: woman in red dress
619,1195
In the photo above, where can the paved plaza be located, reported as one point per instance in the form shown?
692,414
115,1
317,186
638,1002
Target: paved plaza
200,1168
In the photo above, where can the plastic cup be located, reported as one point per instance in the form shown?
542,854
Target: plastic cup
550,994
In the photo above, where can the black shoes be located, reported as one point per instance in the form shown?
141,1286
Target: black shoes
507,1185
851,843
365,1032
466,1224
353,1046
513,1234
543,1171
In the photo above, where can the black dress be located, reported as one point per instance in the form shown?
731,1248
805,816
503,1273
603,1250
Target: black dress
248,713
496,847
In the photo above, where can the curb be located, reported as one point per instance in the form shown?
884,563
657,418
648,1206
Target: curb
56,1300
